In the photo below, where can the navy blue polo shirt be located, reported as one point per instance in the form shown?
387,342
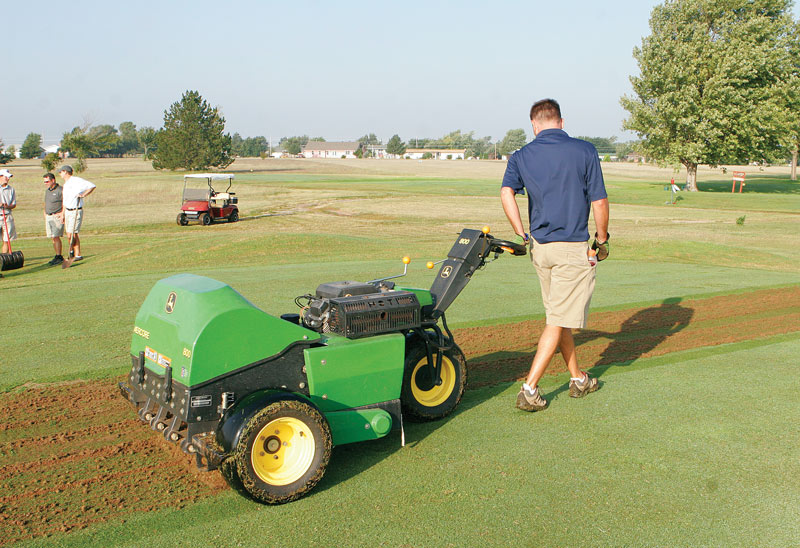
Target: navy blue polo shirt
562,177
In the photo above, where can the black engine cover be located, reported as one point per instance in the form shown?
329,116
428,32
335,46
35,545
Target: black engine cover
363,315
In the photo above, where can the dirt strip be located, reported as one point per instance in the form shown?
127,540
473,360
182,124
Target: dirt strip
73,454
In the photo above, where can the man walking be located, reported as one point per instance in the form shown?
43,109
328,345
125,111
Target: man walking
8,201
75,190
54,215
563,179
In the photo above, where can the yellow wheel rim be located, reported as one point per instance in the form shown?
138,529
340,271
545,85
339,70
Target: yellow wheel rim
283,451
437,394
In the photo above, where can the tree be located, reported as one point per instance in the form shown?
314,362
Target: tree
193,136
146,138
105,141
50,161
395,146
294,145
5,155
515,139
713,77
31,147
604,145
479,148
128,139
79,144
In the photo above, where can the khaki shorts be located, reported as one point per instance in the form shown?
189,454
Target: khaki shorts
53,226
567,281
12,230
73,220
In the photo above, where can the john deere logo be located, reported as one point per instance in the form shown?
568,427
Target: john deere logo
171,302
446,271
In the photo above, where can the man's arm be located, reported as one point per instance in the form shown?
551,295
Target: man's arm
508,197
600,213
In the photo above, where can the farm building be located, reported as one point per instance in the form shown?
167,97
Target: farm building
322,149
436,153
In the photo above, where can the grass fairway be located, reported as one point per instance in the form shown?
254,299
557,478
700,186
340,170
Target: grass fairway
694,452
690,442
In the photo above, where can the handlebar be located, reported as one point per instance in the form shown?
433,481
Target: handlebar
498,246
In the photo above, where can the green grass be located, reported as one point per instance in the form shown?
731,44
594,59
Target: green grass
684,452
688,449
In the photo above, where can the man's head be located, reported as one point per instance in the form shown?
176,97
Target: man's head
546,114
5,175
49,179
65,172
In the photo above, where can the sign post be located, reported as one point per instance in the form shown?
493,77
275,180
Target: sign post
738,176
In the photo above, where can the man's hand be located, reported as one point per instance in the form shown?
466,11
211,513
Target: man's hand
602,248
522,239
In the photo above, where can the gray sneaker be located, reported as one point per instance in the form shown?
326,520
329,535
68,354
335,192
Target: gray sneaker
528,402
578,389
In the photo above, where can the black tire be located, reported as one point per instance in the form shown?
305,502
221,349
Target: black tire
420,397
283,451
182,220
231,475
206,219
233,217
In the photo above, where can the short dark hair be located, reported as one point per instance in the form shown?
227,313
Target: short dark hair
49,176
546,110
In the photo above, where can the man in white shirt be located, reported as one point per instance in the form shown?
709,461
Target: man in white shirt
8,201
75,190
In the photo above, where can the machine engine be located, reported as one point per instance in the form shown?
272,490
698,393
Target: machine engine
355,309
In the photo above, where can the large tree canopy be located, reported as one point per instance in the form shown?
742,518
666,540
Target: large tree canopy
713,82
192,137
31,147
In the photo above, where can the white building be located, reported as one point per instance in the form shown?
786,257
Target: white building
436,153
323,149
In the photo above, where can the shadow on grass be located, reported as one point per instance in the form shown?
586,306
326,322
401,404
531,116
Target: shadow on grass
638,335
347,461
762,184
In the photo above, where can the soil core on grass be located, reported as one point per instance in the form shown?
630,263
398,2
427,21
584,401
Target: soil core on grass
74,454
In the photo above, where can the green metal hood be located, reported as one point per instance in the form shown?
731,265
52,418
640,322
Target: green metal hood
204,328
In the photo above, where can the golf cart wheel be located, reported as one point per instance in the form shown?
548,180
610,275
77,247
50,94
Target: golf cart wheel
233,217
283,451
182,220
206,219
424,397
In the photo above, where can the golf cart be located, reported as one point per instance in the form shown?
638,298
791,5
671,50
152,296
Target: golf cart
204,204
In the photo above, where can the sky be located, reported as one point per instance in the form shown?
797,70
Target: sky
338,70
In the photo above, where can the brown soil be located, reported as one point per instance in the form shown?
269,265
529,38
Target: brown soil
73,454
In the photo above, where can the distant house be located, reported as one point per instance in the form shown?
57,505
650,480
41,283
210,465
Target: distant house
379,151
323,149
436,153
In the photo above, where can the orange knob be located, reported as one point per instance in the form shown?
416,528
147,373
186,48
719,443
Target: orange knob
406,259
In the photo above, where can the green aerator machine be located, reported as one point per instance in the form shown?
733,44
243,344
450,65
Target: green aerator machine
265,398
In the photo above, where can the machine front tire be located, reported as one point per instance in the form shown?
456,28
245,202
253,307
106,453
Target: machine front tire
233,217
421,397
283,451
206,219
182,220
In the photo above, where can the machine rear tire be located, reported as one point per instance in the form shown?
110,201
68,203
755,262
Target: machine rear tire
420,397
283,451
182,220
233,217
206,219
